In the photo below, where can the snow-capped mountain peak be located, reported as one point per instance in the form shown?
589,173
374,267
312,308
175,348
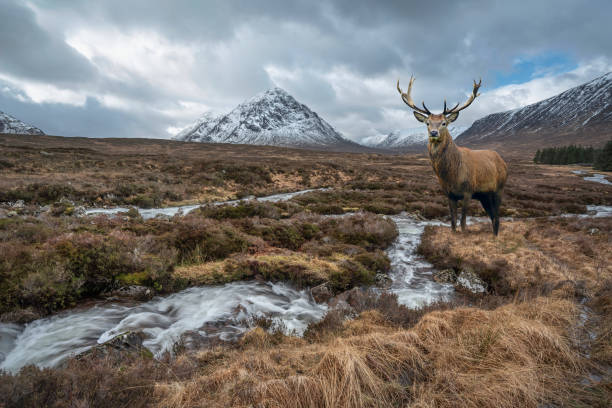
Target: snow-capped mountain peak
582,114
272,117
10,124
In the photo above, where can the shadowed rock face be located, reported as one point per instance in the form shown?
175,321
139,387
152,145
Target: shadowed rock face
580,115
10,124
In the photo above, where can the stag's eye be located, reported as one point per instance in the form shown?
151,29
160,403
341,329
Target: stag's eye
443,123
427,123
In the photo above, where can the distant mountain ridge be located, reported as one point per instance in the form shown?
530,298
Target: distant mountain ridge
272,118
413,139
10,124
580,115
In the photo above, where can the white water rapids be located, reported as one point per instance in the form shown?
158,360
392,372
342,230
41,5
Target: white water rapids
209,311
46,342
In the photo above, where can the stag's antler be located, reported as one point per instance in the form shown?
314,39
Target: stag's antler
467,103
408,99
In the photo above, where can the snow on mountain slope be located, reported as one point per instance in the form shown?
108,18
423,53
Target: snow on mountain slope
579,115
406,139
9,124
271,118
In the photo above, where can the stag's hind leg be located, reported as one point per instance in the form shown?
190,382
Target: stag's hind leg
452,205
488,203
496,199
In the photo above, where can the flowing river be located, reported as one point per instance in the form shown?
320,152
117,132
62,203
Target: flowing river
210,311
596,177
147,213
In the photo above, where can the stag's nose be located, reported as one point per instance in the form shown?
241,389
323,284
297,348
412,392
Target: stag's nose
433,133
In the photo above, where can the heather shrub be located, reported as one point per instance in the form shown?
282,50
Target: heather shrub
350,274
198,239
364,229
57,273
376,261
241,210
95,259
246,175
289,234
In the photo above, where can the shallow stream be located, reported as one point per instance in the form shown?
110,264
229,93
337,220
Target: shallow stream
220,311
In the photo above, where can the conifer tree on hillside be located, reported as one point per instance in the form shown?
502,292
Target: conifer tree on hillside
538,157
567,155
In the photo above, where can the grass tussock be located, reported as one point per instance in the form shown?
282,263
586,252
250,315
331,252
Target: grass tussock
601,328
527,254
299,268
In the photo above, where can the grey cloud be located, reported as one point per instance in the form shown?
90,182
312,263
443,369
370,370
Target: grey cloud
92,120
30,52
446,44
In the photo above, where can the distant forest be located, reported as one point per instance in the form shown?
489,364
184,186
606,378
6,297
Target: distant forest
601,159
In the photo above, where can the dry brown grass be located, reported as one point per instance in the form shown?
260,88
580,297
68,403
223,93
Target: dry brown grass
293,266
563,259
516,355
519,354
601,326
526,254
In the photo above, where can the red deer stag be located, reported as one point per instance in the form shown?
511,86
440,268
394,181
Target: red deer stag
463,173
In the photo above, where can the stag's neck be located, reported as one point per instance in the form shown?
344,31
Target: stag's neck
444,155
442,149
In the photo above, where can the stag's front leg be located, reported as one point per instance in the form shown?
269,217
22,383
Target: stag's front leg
464,210
452,205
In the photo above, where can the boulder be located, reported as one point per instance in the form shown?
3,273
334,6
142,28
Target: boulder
469,282
18,204
383,281
353,297
445,276
79,210
127,342
341,305
321,293
133,291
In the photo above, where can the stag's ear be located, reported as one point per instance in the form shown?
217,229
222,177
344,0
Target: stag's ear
452,117
419,117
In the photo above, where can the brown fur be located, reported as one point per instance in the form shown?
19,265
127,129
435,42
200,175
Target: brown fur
465,173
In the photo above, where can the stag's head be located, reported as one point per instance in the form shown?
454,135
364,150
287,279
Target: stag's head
436,123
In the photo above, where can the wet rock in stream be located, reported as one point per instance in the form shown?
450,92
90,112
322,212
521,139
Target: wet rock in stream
321,293
445,276
468,281
128,342
383,281
133,291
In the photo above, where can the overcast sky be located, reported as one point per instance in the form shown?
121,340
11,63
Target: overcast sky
120,68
